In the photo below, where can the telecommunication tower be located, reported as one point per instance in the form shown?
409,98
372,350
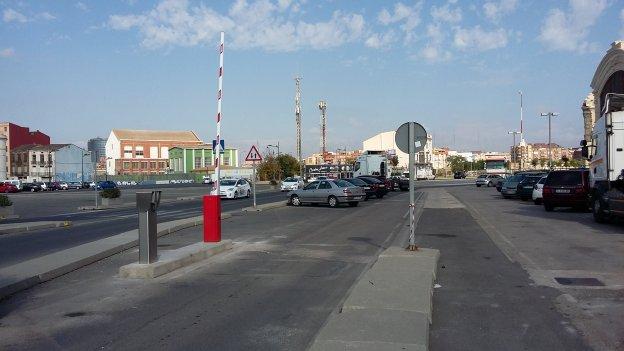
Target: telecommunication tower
323,107
298,120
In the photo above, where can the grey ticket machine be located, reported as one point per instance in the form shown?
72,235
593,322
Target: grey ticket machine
147,203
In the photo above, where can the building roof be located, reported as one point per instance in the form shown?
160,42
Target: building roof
37,147
157,135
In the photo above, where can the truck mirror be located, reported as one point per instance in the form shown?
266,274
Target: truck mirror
583,142
585,151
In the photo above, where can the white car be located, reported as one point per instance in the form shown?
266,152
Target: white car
207,180
291,183
537,191
234,188
64,185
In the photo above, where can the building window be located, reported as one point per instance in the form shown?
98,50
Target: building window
207,160
198,162
153,152
162,165
144,165
164,152
126,165
226,160
152,165
42,159
34,159
135,165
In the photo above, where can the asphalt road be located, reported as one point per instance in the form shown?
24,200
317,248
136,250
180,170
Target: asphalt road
93,225
291,267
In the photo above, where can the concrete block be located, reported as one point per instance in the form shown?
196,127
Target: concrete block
377,325
170,260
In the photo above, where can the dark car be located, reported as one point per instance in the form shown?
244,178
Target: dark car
569,188
106,184
524,189
379,187
51,186
368,189
459,175
32,187
400,183
384,180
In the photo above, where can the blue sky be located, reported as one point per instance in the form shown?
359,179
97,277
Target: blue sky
77,69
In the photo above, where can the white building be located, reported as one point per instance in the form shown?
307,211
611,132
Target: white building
385,142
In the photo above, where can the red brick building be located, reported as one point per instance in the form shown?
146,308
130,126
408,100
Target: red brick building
144,151
18,136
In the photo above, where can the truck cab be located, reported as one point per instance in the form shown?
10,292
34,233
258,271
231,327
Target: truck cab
605,152
371,163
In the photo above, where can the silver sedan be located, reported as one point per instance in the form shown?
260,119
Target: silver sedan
331,192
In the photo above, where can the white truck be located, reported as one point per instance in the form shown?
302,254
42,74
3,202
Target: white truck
371,163
606,160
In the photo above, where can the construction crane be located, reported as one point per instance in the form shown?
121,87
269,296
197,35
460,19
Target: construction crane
323,107
298,120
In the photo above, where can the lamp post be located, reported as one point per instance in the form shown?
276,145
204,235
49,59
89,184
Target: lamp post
521,128
275,146
82,168
550,115
514,155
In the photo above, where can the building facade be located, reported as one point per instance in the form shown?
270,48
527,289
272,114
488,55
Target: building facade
199,158
97,148
54,162
144,151
18,136
385,142
439,158
342,157
533,155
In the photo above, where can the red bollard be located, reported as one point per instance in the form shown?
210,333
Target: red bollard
212,218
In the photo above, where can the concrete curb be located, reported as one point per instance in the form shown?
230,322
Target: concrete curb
30,226
170,260
268,206
389,308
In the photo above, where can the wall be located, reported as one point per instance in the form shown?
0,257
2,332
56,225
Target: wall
69,164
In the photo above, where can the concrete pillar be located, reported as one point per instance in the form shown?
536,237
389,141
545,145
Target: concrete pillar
3,157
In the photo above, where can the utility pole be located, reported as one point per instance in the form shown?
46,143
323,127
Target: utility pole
514,155
549,115
521,129
323,107
298,120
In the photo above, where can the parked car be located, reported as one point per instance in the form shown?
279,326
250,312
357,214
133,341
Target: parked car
526,185
399,183
380,187
74,185
8,188
16,182
566,188
331,192
207,180
386,181
32,187
106,184
488,180
63,185
536,195
44,186
368,189
234,188
291,183
459,175
52,186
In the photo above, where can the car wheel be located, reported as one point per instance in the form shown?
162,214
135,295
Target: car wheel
549,207
295,201
248,194
353,203
537,201
379,196
32,190
489,184
599,216
332,201
478,185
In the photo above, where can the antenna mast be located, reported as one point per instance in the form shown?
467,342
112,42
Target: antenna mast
323,107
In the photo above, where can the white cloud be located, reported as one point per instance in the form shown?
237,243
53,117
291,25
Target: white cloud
409,16
446,13
10,15
479,39
433,50
568,30
378,41
495,10
46,16
82,6
258,24
7,52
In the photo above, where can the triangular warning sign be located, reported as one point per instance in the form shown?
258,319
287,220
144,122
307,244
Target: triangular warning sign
253,154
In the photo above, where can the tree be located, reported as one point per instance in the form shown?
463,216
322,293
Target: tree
543,162
394,161
289,165
534,162
565,160
456,162
269,168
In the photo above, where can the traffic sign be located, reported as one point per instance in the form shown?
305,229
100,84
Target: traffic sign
253,154
401,137
222,143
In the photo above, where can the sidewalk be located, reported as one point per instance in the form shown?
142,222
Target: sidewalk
11,228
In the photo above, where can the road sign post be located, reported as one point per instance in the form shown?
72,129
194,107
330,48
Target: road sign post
410,138
253,155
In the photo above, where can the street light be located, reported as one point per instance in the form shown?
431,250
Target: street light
82,168
275,146
549,115
514,155
521,128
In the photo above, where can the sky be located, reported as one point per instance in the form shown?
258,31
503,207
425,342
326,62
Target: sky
77,69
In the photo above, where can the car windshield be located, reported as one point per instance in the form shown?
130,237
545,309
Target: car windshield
228,182
542,180
565,178
515,178
371,180
482,176
290,180
342,184
356,181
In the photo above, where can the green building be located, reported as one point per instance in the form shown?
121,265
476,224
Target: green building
199,158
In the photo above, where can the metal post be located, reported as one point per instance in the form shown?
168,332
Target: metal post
412,205
147,204
95,182
254,184
549,143
217,152
521,129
